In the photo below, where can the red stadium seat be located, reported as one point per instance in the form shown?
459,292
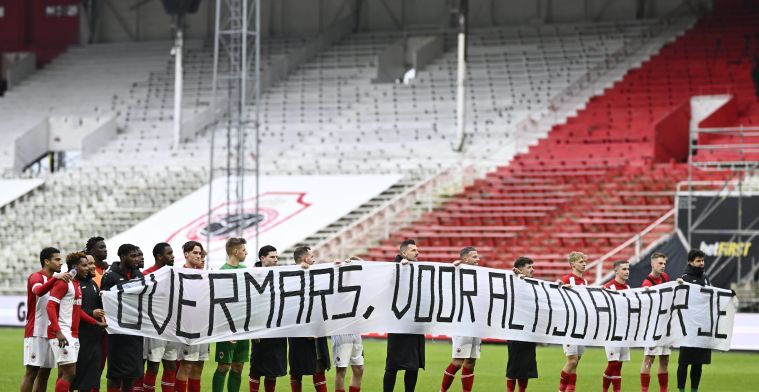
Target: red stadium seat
593,183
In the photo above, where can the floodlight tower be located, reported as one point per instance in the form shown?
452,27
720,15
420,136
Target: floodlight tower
236,79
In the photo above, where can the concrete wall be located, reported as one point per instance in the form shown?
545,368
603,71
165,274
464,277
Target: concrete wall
405,54
391,63
63,133
17,66
78,133
119,22
31,145
421,51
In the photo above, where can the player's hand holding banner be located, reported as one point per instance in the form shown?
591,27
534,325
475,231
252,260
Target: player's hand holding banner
193,306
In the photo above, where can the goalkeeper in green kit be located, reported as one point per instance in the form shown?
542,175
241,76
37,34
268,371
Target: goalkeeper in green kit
231,356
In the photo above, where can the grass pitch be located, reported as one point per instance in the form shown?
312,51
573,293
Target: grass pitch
729,372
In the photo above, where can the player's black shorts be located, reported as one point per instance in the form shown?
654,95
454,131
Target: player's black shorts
306,354
522,362
268,357
124,357
404,352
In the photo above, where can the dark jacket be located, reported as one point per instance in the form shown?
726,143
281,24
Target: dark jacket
90,302
695,275
404,351
88,370
116,275
695,355
124,351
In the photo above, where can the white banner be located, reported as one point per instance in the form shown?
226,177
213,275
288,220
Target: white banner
194,306
291,208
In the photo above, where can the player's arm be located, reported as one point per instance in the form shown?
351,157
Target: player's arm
89,319
53,306
90,313
39,289
348,260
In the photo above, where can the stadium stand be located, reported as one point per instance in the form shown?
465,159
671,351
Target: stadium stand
595,181
88,80
512,72
328,111
114,190
330,104
148,109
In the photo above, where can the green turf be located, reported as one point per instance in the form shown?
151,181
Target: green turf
729,372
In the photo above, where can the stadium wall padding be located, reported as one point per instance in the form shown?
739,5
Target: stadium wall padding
13,25
716,234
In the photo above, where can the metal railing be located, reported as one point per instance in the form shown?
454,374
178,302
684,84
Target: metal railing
395,213
635,242
741,146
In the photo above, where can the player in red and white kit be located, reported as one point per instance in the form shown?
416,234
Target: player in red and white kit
657,276
465,349
568,380
193,356
616,355
38,357
157,351
64,310
348,350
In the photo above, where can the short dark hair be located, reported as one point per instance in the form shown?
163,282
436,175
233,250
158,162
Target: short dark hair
522,261
406,243
464,251
190,245
265,250
159,248
73,259
694,254
658,255
233,243
300,252
126,249
47,254
618,263
91,243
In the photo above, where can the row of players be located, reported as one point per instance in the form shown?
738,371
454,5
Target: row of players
58,301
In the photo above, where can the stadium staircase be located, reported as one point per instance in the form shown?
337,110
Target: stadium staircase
601,178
